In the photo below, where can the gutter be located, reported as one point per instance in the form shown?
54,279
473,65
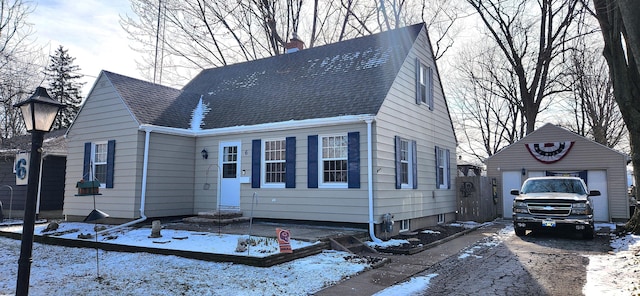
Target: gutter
241,129
143,191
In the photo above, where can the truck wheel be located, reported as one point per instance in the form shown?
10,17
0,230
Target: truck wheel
588,234
520,231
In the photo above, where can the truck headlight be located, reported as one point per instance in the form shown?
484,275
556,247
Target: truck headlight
580,209
520,204
520,207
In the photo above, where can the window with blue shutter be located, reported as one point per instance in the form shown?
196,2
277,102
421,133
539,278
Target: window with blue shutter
273,163
443,168
406,163
99,162
334,161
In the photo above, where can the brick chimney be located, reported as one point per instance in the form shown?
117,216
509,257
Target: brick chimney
295,44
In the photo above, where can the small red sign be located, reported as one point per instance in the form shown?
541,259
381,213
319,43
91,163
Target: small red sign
283,239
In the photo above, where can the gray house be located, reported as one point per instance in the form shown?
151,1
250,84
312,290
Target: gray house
345,132
552,150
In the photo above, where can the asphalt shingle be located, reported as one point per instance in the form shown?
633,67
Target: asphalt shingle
351,77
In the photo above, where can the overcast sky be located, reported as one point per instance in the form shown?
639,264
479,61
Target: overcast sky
90,30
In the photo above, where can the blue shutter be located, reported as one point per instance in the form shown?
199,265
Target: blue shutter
447,156
414,163
353,160
290,164
429,90
418,88
256,146
111,157
437,168
398,154
86,164
312,163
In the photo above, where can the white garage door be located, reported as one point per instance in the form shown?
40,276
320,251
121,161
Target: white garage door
510,180
597,180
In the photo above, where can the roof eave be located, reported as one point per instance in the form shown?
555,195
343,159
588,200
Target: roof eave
273,126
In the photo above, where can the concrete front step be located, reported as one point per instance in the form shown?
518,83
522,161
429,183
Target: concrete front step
217,218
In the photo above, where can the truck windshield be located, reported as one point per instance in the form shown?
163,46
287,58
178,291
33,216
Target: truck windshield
553,185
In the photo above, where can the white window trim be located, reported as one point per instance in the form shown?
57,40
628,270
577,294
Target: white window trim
321,183
441,218
263,165
444,163
405,225
426,88
410,156
103,183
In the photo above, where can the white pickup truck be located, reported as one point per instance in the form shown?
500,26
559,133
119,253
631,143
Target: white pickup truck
554,203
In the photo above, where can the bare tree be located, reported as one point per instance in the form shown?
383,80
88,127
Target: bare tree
620,29
594,109
486,120
532,37
20,60
188,36
180,38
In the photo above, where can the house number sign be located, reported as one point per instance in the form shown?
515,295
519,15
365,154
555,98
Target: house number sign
21,168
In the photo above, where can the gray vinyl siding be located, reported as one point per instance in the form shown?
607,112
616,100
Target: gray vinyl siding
401,116
105,118
170,175
300,203
584,155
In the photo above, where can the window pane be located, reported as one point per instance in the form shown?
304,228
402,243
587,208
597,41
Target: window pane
229,170
275,161
334,159
100,153
101,173
335,171
405,173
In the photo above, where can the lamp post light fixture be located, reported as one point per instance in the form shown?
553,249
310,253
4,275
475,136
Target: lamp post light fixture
38,111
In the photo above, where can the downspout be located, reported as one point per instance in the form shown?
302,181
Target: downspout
372,232
143,191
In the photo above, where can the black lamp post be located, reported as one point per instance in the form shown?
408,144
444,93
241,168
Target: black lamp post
38,112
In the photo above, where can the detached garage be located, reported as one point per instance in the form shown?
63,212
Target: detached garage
552,150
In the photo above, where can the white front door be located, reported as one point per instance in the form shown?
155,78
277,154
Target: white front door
510,180
229,162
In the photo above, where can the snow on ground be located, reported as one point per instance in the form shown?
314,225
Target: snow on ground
616,273
171,239
60,270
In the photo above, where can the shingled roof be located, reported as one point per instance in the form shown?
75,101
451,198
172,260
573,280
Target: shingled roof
148,101
351,77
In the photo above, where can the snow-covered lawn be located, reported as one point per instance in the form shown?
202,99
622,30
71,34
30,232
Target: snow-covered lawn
60,270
